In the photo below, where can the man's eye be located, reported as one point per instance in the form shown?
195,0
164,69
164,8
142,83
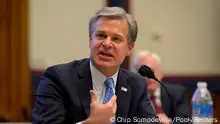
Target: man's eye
116,39
100,36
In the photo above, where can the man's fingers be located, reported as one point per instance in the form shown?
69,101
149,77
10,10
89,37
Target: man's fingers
93,96
115,107
112,101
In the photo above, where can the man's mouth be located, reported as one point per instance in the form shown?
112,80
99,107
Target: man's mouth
106,54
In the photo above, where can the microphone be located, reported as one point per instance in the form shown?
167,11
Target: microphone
146,71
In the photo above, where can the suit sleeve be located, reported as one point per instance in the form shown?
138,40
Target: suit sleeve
49,104
146,111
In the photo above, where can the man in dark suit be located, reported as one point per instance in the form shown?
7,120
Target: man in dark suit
85,91
165,108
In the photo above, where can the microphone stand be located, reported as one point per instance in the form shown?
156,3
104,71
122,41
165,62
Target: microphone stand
169,96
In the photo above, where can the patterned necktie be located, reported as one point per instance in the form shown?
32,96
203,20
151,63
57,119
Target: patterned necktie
158,108
109,83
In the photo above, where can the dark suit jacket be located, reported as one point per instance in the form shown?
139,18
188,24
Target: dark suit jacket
178,105
63,95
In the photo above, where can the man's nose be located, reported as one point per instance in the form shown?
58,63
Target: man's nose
107,42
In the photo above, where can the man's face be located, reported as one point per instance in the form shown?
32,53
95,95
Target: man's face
108,42
152,63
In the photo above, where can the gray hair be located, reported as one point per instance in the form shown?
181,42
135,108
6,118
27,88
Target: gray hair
142,54
116,12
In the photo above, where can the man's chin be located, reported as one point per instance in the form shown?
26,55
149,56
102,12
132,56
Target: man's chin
105,64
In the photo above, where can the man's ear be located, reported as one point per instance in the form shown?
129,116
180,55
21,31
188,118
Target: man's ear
130,48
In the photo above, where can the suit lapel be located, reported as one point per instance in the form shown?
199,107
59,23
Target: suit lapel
123,93
84,85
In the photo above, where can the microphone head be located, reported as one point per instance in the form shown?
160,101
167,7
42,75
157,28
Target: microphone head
146,71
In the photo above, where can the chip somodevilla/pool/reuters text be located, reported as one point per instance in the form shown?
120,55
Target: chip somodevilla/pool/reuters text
176,119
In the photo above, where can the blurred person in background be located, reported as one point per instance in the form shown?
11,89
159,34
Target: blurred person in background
84,91
157,93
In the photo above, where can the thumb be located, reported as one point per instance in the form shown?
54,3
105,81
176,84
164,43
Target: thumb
112,100
93,96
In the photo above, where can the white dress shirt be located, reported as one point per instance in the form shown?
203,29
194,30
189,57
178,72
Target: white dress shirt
157,96
98,80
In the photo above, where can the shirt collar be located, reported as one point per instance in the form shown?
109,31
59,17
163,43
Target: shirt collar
98,78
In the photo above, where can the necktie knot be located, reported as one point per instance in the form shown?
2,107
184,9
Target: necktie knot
109,83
